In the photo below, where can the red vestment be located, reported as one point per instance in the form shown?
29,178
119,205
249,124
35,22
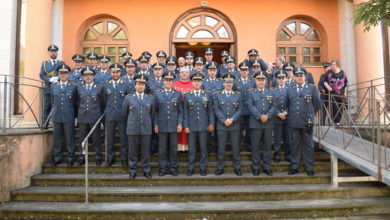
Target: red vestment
183,87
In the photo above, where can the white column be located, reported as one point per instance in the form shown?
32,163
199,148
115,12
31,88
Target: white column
57,24
8,15
347,40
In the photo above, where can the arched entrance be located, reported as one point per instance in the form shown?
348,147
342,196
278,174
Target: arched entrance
199,28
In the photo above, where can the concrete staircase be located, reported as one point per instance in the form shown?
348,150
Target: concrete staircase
58,193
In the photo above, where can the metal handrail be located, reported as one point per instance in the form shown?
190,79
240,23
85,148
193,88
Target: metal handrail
22,77
84,146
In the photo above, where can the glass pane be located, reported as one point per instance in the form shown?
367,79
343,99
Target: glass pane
283,35
211,21
316,50
195,21
86,50
306,59
306,50
97,50
112,59
222,32
291,27
316,59
313,36
292,50
99,27
292,59
122,50
281,50
111,50
304,28
120,35
182,33
202,34
90,35
111,27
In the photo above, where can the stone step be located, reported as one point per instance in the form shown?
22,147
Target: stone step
183,166
183,156
122,180
196,193
198,210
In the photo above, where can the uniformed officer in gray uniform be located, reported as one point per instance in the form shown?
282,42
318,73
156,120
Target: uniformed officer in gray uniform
228,107
161,56
260,102
199,66
243,84
223,67
138,110
144,66
91,107
125,57
49,76
213,85
304,102
93,60
167,124
115,91
130,66
103,74
281,134
156,83
171,65
75,75
198,119
230,67
64,106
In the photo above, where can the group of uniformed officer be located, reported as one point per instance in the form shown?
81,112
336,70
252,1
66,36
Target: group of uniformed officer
138,99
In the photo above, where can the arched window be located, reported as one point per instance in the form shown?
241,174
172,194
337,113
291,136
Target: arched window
203,27
300,42
104,35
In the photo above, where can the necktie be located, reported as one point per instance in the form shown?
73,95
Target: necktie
115,84
54,63
228,94
197,94
299,90
140,97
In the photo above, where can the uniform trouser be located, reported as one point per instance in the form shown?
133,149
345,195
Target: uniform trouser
167,150
235,142
47,105
281,134
212,141
301,142
195,137
261,140
110,135
137,142
337,109
67,129
246,130
154,142
96,138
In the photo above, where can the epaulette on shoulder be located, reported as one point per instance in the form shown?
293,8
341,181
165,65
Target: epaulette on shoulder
128,95
294,86
206,91
109,81
310,84
218,92
251,89
121,82
73,84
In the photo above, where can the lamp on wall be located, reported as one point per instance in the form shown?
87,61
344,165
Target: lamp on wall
192,43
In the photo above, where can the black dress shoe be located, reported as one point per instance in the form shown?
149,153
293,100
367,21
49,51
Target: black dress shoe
255,172
292,171
57,162
219,172
310,173
269,172
162,173
82,161
174,173
125,163
110,162
203,172
190,172
148,175
98,162
238,172
70,162
133,175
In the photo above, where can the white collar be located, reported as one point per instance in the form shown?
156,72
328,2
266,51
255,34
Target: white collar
140,94
64,83
89,84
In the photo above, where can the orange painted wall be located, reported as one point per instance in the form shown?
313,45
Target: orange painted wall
149,22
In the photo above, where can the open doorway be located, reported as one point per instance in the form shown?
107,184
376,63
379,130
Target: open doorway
198,49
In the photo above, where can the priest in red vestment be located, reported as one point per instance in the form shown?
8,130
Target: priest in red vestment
183,85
